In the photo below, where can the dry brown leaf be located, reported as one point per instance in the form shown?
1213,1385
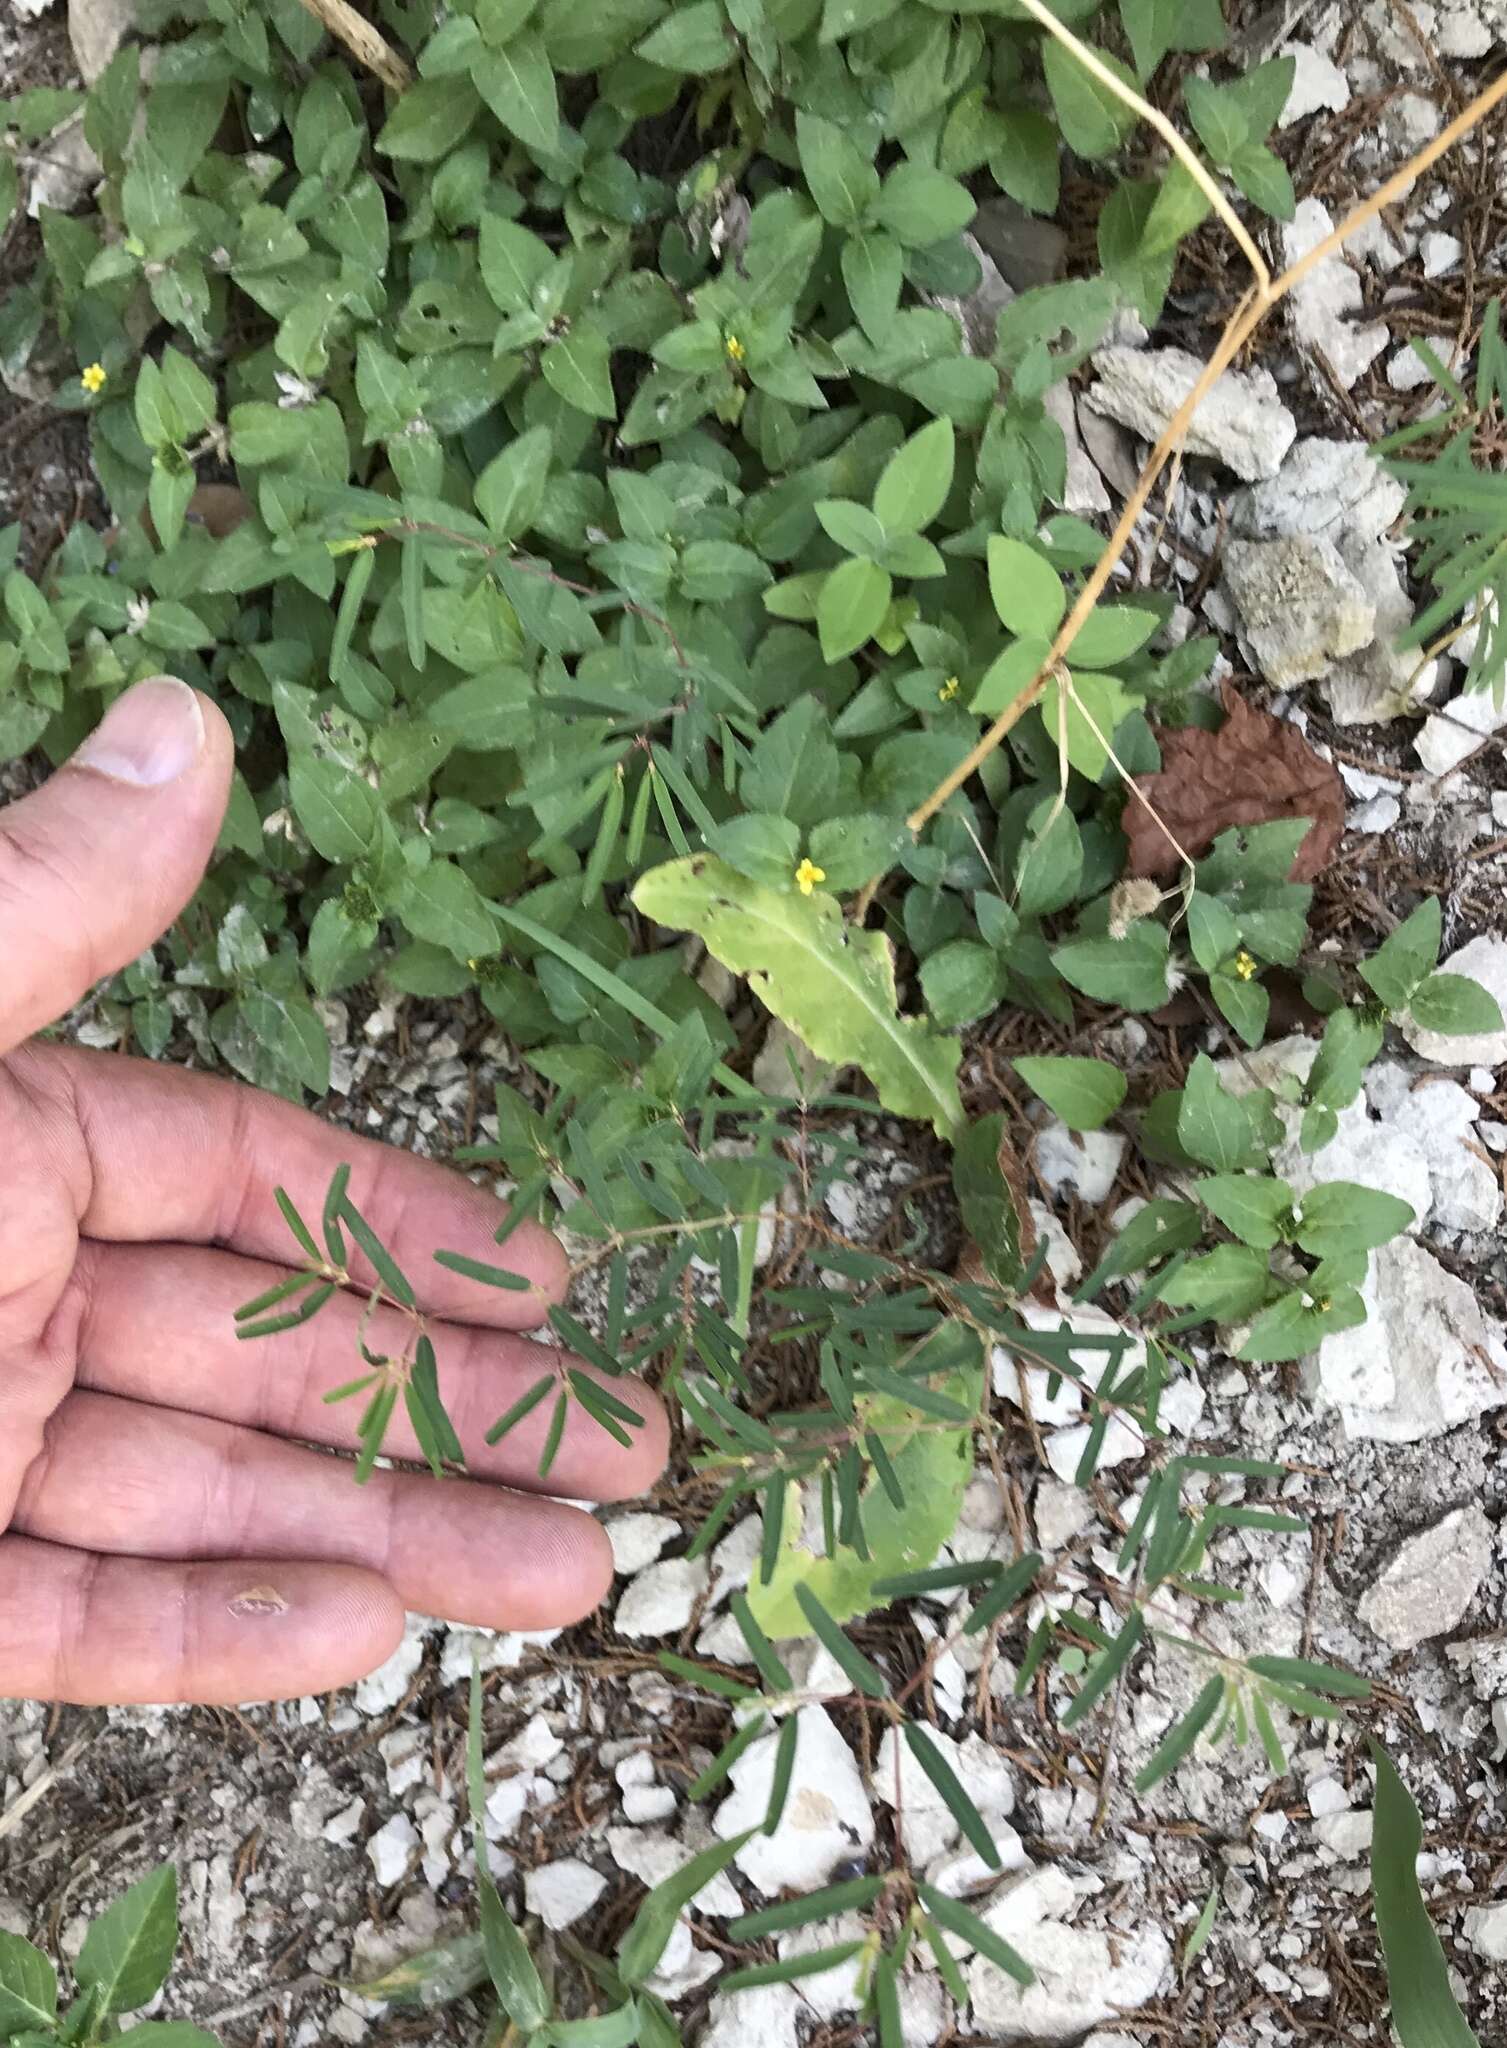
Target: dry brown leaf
971,1266
1255,769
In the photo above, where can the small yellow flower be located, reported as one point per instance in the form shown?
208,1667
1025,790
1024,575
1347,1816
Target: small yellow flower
735,349
807,875
1244,965
93,379
948,690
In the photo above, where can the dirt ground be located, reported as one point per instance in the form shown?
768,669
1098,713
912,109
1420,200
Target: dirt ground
320,1841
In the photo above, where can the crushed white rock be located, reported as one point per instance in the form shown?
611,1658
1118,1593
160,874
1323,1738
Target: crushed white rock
827,1818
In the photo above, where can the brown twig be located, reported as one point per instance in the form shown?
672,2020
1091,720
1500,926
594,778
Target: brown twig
1247,317
363,41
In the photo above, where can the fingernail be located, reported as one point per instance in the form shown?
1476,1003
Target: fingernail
148,737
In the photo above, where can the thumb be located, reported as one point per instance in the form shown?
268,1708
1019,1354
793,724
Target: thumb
98,862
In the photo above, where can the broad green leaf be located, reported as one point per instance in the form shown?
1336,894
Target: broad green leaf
694,38
336,807
1340,1216
914,483
28,1986
1083,717
1398,966
1214,1127
1265,180
1094,122
851,607
842,179
518,84
429,119
833,984
1112,633
1130,972
1156,26
961,981
1084,1093
1251,1205
128,1951
510,490
921,206
1228,1283
1454,1005
1424,2011
933,1466
1218,118
443,905
579,368
1010,673
1026,589
873,269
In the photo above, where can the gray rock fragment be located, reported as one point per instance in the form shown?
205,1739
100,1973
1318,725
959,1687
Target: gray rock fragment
1428,1586
1301,608
1241,423
1325,302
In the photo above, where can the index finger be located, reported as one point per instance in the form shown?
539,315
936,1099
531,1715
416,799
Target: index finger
158,1154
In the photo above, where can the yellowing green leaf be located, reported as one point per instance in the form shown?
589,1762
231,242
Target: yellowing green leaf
932,1468
833,984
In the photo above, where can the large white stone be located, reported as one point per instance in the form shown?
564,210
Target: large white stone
1428,1586
826,1821
1439,1118
564,1892
1485,1929
1301,607
1317,84
764,2017
1082,1978
1325,302
1483,960
1449,736
1332,489
662,1598
1085,1161
1242,422
1425,1360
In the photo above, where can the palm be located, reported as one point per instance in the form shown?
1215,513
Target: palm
170,1533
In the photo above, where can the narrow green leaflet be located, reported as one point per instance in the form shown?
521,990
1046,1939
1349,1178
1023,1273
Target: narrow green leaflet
831,983
514,1976
1424,2011
952,1792
648,1935
1180,1738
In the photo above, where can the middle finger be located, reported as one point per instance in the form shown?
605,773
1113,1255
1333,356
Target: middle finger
118,1477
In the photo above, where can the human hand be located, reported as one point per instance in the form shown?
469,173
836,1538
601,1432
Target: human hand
169,1536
